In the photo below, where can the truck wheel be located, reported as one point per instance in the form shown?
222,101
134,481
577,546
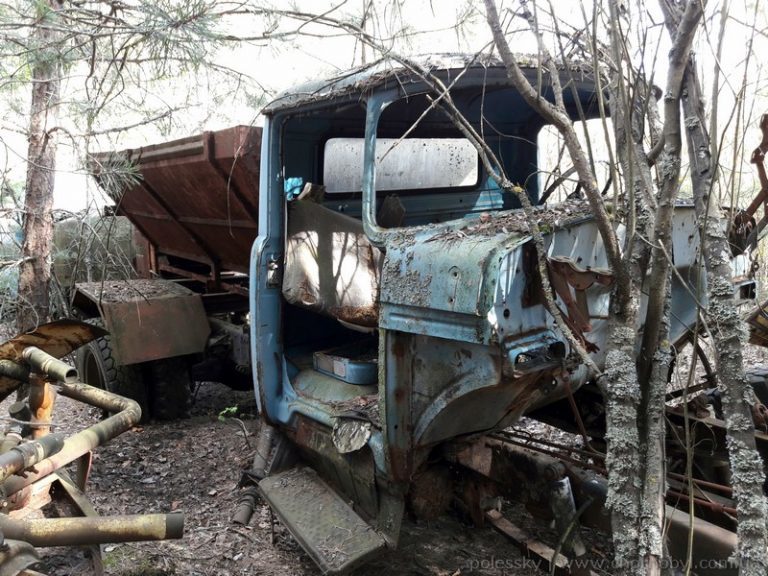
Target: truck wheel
96,366
171,390
237,378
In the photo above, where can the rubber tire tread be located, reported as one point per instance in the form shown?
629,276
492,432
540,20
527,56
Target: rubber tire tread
236,380
125,380
171,397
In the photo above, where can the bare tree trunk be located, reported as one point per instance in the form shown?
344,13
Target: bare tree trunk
653,363
747,475
634,388
619,383
622,393
669,175
34,272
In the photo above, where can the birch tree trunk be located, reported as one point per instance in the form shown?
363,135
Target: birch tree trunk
35,271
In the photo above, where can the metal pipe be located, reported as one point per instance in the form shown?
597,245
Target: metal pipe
556,455
41,399
528,438
703,483
128,413
20,411
245,506
511,437
16,430
44,363
711,542
93,529
714,506
263,450
10,441
14,370
563,507
23,456
249,496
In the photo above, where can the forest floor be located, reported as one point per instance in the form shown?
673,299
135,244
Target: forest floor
193,466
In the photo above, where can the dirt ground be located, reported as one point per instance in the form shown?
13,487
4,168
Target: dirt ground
193,466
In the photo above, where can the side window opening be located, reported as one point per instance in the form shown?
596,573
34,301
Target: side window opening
557,177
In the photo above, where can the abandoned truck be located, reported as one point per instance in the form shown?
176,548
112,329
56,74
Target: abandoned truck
356,262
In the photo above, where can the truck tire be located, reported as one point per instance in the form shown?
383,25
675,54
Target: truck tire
96,366
170,388
237,378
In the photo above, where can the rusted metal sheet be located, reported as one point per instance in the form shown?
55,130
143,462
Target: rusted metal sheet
337,539
431,493
197,197
57,338
150,319
145,261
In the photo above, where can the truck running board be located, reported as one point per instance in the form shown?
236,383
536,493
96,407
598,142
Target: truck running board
327,528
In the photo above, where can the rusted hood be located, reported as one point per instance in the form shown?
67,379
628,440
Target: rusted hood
475,279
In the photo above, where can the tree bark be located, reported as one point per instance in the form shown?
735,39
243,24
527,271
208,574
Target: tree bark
34,271
747,474
669,175
633,390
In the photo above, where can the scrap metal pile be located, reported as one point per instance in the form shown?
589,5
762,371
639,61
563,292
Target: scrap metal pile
32,458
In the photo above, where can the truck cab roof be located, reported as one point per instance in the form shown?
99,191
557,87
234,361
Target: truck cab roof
387,73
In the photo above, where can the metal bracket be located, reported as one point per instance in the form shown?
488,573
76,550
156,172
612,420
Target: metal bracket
274,271
565,275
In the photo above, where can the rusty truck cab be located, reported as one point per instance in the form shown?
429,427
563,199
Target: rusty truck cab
390,312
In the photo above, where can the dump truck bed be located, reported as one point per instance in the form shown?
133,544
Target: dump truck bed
195,198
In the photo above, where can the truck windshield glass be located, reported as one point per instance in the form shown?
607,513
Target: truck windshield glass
410,164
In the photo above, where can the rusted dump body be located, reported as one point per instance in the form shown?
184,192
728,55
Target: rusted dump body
195,202
195,198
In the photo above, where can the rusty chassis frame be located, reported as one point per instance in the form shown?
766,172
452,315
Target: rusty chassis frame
573,492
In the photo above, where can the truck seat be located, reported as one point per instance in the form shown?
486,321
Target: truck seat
330,266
